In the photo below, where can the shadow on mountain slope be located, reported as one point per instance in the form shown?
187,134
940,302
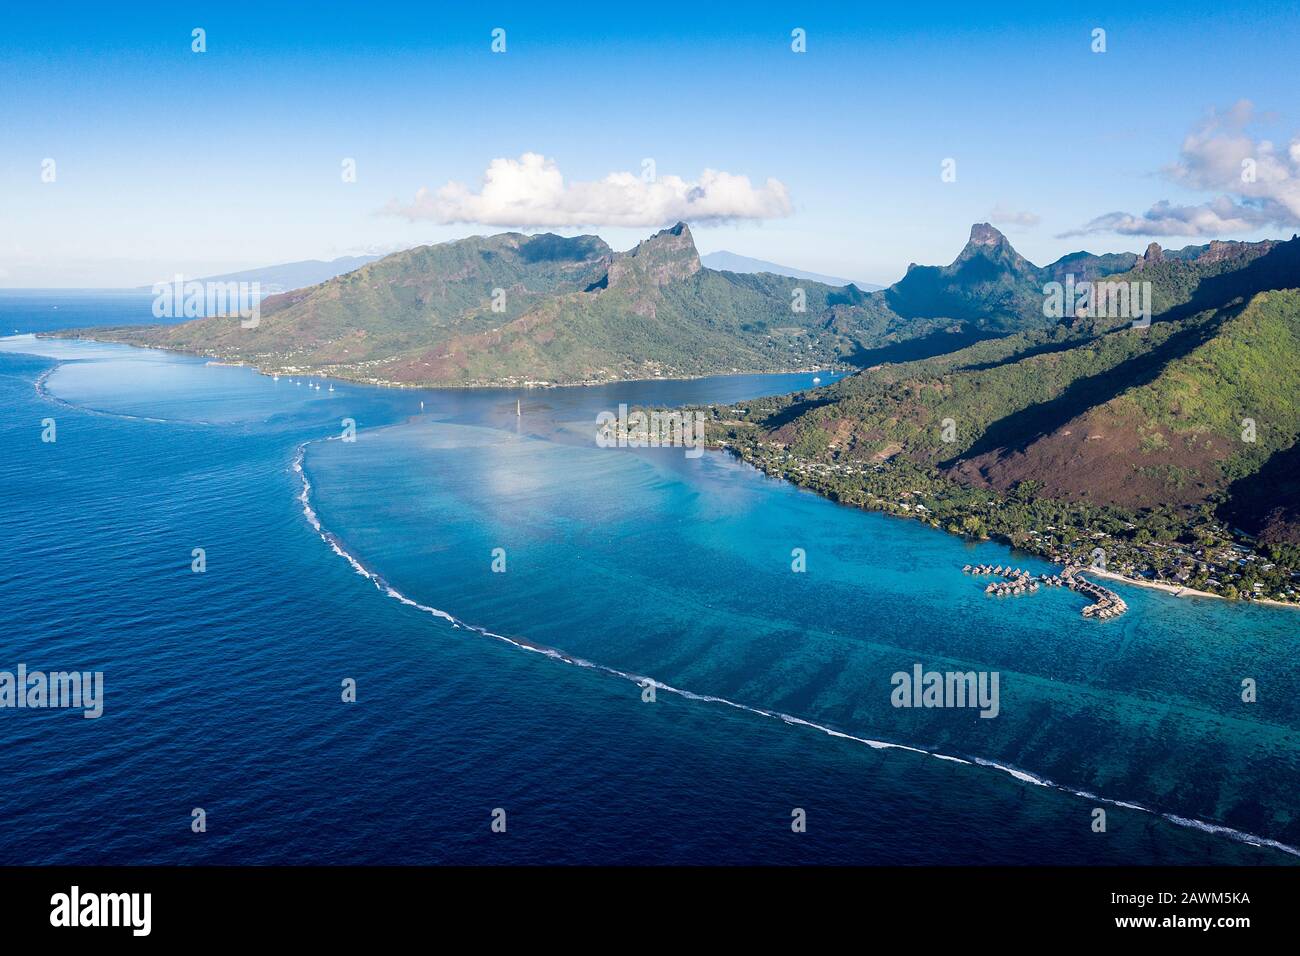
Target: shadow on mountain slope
1267,503
790,412
1044,348
1015,432
1279,268
940,342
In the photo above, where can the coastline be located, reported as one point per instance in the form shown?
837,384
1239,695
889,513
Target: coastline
1177,590
1181,590
1174,590
342,376
879,743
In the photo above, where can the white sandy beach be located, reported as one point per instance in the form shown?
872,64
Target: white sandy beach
1178,590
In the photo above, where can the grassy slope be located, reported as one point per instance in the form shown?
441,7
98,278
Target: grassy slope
397,303
576,312
708,322
1174,437
1091,410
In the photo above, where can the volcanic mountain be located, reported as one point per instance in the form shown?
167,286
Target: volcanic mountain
516,308
1197,410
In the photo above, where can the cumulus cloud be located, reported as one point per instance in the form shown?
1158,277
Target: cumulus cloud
1214,218
530,192
1258,182
1006,216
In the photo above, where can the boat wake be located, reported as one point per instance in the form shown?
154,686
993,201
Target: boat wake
331,539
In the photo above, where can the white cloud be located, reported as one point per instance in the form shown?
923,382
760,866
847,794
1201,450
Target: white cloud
530,192
1214,218
1258,180
1013,217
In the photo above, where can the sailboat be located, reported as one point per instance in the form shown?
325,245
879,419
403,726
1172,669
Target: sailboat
518,411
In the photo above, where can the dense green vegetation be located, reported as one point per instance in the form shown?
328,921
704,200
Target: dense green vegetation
1186,547
975,410
511,308
1158,444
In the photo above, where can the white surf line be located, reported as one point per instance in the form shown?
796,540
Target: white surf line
304,497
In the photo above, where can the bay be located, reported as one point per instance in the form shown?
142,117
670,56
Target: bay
223,688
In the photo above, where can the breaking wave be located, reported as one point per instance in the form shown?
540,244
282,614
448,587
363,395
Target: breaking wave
643,681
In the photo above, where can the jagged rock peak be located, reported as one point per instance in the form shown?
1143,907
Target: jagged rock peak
986,242
984,234
668,255
681,229
1154,253
676,240
1219,250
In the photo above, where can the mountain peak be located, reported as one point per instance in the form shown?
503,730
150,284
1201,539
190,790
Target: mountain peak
668,255
677,238
988,278
983,234
988,244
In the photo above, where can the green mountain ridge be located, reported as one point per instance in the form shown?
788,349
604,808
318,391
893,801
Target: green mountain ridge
513,308
970,406
1190,422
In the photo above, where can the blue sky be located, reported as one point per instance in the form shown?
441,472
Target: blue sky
172,161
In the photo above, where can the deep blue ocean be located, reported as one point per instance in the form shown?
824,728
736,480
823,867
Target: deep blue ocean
372,560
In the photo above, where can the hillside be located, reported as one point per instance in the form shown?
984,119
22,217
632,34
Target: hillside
392,305
1190,423
512,308
974,406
